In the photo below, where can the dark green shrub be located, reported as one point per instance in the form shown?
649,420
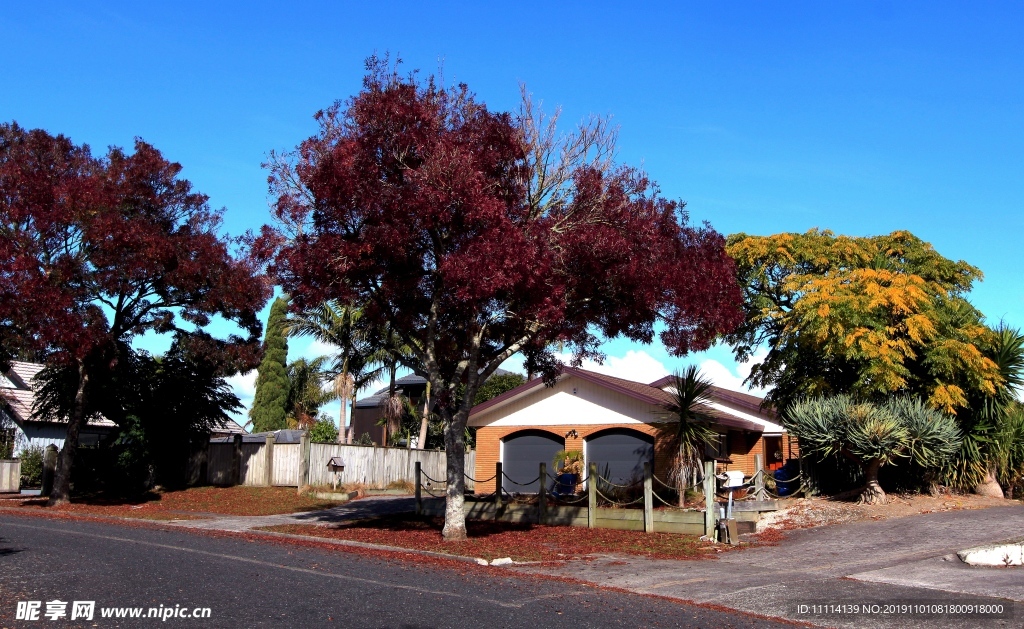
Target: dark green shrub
32,466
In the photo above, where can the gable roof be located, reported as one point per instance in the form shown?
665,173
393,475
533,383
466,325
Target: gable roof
18,391
739,398
649,394
373,401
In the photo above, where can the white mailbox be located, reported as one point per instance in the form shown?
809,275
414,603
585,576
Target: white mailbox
733,479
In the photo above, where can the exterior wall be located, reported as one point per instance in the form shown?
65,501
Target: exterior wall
742,449
488,445
558,405
364,420
44,434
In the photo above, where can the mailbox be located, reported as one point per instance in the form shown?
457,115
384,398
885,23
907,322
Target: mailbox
733,479
336,466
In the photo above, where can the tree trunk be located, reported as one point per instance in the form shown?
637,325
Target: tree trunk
389,424
425,420
681,477
990,486
62,479
455,453
872,494
351,431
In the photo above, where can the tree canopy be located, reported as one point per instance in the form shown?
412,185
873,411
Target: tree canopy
869,316
476,235
96,251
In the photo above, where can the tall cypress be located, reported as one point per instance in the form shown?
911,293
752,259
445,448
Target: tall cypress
269,406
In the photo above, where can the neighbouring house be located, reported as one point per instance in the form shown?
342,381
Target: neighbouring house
367,411
618,424
227,428
17,395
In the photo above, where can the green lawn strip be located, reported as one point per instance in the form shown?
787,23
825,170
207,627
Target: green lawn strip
493,540
203,501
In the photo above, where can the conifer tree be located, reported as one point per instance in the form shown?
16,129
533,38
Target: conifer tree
270,405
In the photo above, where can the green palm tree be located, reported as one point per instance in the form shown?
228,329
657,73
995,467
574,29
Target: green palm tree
307,394
389,351
340,325
691,396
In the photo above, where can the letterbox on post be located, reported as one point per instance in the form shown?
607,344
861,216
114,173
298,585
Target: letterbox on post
336,465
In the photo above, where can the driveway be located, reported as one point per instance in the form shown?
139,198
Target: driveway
888,561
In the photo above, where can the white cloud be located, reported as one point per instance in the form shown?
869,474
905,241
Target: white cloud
636,365
244,386
732,376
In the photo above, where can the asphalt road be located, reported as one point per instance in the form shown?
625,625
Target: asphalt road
261,584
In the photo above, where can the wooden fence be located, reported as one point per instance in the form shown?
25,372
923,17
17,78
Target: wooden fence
264,462
10,475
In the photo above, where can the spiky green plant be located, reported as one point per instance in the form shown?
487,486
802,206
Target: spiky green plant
873,435
981,457
691,395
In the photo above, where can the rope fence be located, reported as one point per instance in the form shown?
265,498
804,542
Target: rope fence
552,491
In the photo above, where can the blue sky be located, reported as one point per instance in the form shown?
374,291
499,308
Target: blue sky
859,117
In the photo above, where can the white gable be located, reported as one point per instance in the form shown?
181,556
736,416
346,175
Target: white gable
571,401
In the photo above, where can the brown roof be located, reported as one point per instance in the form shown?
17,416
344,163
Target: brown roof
18,392
644,392
747,400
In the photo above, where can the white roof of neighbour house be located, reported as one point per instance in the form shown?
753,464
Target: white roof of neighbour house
586,397
17,391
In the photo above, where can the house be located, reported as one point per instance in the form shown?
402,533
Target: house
618,424
367,411
17,395
226,428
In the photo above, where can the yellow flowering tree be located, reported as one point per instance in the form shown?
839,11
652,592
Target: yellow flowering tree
866,316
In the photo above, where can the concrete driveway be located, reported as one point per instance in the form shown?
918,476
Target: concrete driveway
882,562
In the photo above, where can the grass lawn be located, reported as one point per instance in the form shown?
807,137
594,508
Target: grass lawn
522,542
239,500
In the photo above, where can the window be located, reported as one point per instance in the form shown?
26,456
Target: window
719,450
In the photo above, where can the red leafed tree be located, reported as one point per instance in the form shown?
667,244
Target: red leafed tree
95,251
476,235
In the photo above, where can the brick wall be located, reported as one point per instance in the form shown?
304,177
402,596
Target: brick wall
488,448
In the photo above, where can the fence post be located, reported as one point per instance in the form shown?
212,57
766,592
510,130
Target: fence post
268,454
759,477
497,489
49,469
709,500
648,498
592,496
542,495
303,461
419,490
236,461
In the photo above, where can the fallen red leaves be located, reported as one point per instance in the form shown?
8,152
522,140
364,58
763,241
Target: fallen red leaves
521,542
170,505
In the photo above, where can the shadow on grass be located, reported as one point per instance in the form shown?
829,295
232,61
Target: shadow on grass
406,522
